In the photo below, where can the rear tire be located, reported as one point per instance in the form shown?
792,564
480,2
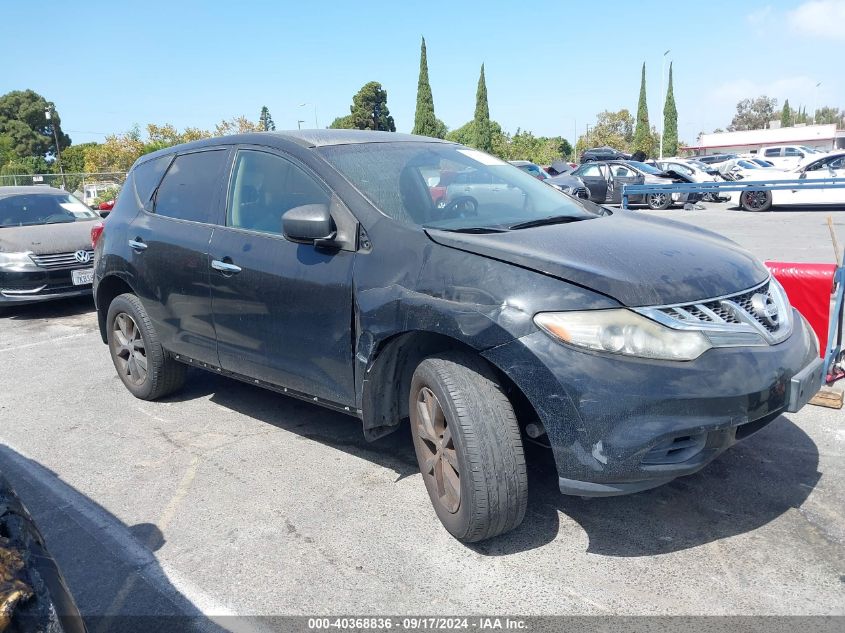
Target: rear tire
142,364
469,447
755,200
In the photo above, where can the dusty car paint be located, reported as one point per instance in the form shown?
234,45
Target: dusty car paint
406,292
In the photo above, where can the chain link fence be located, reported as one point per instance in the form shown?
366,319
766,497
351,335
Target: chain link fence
86,186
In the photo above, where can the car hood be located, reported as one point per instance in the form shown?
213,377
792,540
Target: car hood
47,238
635,259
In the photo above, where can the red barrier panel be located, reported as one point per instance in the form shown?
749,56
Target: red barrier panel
808,287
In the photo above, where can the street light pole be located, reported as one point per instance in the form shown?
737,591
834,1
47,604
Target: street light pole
316,124
663,100
299,124
48,114
816,105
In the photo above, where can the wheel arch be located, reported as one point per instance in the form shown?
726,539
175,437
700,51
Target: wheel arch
387,382
108,288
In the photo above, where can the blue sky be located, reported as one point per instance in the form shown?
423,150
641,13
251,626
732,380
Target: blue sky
109,65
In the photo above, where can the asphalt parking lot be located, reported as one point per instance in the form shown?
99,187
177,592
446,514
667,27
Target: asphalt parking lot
227,499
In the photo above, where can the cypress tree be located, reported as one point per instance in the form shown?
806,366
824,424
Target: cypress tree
265,121
425,122
670,120
642,133
483,137
786,115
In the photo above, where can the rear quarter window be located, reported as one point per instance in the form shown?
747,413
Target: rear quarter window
189,188
146,178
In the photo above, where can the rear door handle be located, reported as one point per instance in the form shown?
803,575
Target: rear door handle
225,267
137,244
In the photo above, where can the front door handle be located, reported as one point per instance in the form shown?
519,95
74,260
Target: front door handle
137,244
225,267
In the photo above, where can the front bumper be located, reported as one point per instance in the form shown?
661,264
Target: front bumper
618,424
34,286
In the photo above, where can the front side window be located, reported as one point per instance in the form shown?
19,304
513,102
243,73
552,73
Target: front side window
188,189
792,151
775,151
42,208
589,171
620,171
484,191
264,187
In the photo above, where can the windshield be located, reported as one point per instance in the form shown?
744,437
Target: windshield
699,165
643,167
42,208
482,191
747,164
809,150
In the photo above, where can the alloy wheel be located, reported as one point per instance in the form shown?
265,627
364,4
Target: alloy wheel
657,200
439,459
128,348
754,199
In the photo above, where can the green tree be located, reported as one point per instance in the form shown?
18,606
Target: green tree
612,129
368,110
642,133
425,123
670,120
828,114
466,135
23,120
483,135
786,115
265,121
753,114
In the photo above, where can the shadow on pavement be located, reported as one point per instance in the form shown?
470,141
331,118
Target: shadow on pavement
751,484
54,309
110,568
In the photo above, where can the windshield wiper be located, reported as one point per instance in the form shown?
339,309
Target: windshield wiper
552,219
471,229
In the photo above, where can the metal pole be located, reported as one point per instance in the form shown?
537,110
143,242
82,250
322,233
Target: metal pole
48,114
316,125
816,99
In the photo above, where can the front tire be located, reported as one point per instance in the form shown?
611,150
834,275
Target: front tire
469,447
142,364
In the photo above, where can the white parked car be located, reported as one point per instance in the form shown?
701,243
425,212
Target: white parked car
788,156
824,166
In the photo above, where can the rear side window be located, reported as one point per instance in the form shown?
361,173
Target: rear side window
775,151
791,151
188,189
147,176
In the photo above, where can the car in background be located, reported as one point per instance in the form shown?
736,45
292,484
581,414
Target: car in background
765,164
471,189
314,263
825,166
45,245
603,153
567,183
559,167
788,156
530,168
743,168
715,159
606,179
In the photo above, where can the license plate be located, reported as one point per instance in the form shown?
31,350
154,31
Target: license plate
82,277
804,385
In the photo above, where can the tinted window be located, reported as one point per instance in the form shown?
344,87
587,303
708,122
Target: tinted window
264,187
42,208
187,191
791,151
775,151
147,176
838,163
620,171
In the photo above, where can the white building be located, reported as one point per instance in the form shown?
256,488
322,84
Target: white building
822,137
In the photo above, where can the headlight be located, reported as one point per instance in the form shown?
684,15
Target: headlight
16,262
622,332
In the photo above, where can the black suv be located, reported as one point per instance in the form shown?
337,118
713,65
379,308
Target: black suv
317,264
603,153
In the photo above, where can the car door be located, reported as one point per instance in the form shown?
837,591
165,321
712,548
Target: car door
822,169
282,310
791,157
169,252
621,175
593,175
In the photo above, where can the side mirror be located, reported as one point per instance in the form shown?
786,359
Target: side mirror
309,224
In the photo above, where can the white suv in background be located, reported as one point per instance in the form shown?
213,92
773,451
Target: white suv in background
788,156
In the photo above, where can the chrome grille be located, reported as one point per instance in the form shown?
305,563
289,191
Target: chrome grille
62,260
733,319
